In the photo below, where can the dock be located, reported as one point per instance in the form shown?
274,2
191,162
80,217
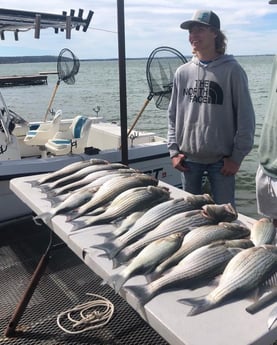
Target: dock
23,80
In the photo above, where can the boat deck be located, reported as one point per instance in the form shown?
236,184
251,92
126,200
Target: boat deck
63,286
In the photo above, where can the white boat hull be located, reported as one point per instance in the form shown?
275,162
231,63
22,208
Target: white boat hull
146,153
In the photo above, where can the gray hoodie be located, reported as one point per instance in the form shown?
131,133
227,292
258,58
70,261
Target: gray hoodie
268,141
210,115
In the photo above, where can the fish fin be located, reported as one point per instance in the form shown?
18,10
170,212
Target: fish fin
77,225
51,193
108,247
45,217
120,259
141,292
34,183
72,215
118,281
116,262
152,276
107,235
97,211
44,188
199,305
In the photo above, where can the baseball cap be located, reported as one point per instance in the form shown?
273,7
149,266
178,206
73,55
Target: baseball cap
202,17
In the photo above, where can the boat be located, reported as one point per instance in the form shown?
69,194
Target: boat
31,148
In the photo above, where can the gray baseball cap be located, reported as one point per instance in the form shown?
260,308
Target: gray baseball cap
202,17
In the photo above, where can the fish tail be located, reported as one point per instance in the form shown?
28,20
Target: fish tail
72,215
107,235
116,262
108,247
152,276
51,193
78,225
142,293
45,217
44,188
120,259
199,305
34,183
118,281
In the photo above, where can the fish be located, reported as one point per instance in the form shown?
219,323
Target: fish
132,200
244,273
88,179
112,188
198,267
184,221
201,236
125,225
67,170
80,174
263,232
147,259
73,201
152,218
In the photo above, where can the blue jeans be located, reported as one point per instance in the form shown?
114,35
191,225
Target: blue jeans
222,187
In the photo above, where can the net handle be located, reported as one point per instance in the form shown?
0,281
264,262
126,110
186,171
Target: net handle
72,72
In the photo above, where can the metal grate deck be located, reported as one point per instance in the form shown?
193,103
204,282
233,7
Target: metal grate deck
63,286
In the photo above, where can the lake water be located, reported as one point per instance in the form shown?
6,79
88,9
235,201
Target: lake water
97,85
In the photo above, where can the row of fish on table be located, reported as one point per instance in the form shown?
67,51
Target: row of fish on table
179,243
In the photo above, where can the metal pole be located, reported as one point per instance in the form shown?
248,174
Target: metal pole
122,80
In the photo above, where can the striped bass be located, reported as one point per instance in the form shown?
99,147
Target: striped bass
148,259
132,200
88,179
263,232
80,174
152,218
198,267
184,221
125,225
111,189
245,272
70,203
69,169
202,236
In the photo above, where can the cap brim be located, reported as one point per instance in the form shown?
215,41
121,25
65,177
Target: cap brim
187,24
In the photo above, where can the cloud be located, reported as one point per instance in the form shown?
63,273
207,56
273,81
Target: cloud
249,25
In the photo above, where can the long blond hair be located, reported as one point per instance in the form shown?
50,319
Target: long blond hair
220,41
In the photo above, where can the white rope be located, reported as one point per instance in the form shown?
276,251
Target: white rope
86,316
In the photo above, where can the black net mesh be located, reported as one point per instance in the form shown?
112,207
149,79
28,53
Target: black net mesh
161,66
67,66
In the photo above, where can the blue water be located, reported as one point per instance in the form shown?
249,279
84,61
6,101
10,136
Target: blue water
97,85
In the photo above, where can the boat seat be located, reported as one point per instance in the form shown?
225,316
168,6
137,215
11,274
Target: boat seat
45,131
74,140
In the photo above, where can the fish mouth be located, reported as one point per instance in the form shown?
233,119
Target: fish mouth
220,213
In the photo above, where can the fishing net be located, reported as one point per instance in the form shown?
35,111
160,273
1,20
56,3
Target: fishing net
67,66
161,66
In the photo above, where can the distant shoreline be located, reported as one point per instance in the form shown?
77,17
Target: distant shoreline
45,58
51,58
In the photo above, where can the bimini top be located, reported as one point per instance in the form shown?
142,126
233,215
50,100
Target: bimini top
20,21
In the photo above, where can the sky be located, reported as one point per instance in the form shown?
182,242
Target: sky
250,26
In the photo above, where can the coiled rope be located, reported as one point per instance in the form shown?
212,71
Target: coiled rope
86,316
